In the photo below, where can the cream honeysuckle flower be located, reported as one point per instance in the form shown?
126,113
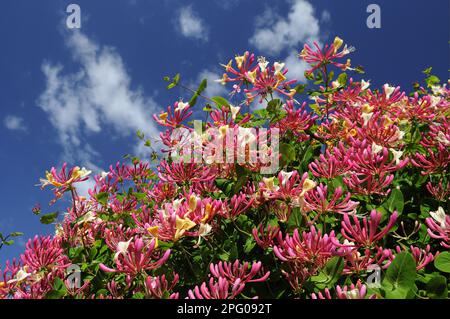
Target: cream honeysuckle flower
122,248
388,90
234,111
203,231
397,155
278,66
181,106
21,275
262,63
441,138
269,183
285,177
365,85
440,217
376,148
240,59
193,201
337,43
308,185
181,225
366,117
251,76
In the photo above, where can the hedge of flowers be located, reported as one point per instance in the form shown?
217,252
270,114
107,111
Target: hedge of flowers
355,209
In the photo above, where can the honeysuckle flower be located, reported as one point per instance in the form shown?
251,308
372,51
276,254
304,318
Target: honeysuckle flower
203,231
422,256
237,271
365,85
397,155
440,217
44,253
234,111
217,290
317,200
122,248
182,225
159,287
62,180
21,275
376,148
138,258
265,237
367,234
439,191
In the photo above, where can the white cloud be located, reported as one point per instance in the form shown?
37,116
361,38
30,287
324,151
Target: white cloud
191,25
279,33
213,88
14,123
96,97
276,34
296,66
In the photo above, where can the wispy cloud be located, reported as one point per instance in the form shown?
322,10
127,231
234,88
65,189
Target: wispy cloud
96,97
14,123
277,34
191,25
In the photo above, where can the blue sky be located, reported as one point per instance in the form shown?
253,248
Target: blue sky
80,96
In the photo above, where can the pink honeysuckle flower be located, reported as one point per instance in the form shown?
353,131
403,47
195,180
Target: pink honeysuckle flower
44,253
358,291
159,288
433,161
265,237
369,184
367,234
296,121
439,191
137,257
332,164
318,57
184,173
221,289
439,226
174,117
356,263
238,204
267,81
317,200
309,248
374,160
234,271
422,256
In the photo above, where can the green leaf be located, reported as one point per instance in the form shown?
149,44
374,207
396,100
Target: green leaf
442,262
299,89
220,101
225,185
202,87
330,274
16,234
432,80
287,152
395,201
342,79
140,135
400,276
102,198
49,218
437,287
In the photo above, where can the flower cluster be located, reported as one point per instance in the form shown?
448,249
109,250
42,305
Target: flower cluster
361,187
